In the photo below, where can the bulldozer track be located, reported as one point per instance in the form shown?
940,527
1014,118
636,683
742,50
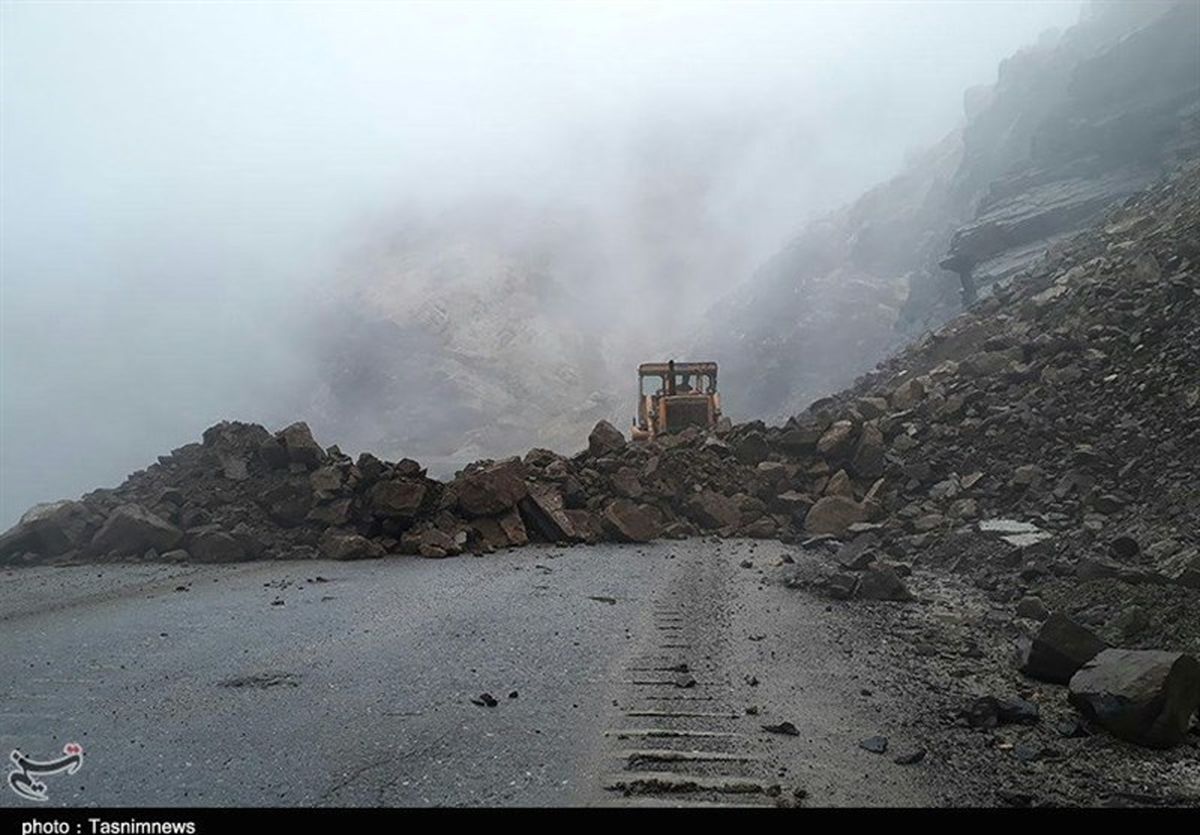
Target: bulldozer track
682,736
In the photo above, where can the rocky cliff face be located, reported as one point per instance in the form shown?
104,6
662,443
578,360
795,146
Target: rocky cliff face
1073,124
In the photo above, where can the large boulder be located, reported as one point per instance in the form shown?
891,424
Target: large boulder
131,529
1058,650
299,447
235,445
342,545
834,515
1143,696
752,448
513,528
838,441
397,498
907,394
605,439
868,455
628,521
710,509
799,438
49,529
288,502
542,510
492,490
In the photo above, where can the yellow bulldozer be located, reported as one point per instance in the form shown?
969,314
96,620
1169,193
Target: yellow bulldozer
678,395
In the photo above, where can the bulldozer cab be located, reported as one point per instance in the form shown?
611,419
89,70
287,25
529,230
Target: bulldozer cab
675,395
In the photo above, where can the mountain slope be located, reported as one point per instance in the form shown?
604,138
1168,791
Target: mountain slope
1072,125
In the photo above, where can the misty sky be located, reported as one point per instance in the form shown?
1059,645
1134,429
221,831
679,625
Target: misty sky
177,178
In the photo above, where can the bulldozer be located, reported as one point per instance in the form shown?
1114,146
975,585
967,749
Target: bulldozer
681,394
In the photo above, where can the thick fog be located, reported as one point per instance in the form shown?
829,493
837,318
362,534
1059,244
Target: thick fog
183,183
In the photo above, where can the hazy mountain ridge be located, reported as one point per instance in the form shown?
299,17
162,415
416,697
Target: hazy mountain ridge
1072,125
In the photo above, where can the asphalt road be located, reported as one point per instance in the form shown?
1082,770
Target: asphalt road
322,683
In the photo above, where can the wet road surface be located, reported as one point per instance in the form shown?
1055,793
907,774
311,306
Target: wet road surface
622,674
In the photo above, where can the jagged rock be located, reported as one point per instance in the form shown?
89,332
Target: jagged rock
329,480
397,497
543,511
798,439
625,483
131,529
408,468
881,582
631,522
772,473
513,528
839,485
369,467
859,552
868,455
585,524
493,489
435,544
605,439
762,528
985,363
871,407
288,502
838,441
834,515
574,495
342,545
907,395
299,447
1144,696
710,509
752,448
489,536
1058,650
335,513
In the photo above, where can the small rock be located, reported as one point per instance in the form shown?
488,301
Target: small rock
1058,650
1124,548
1032,608
874,744
881,582
784,728
1027,753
